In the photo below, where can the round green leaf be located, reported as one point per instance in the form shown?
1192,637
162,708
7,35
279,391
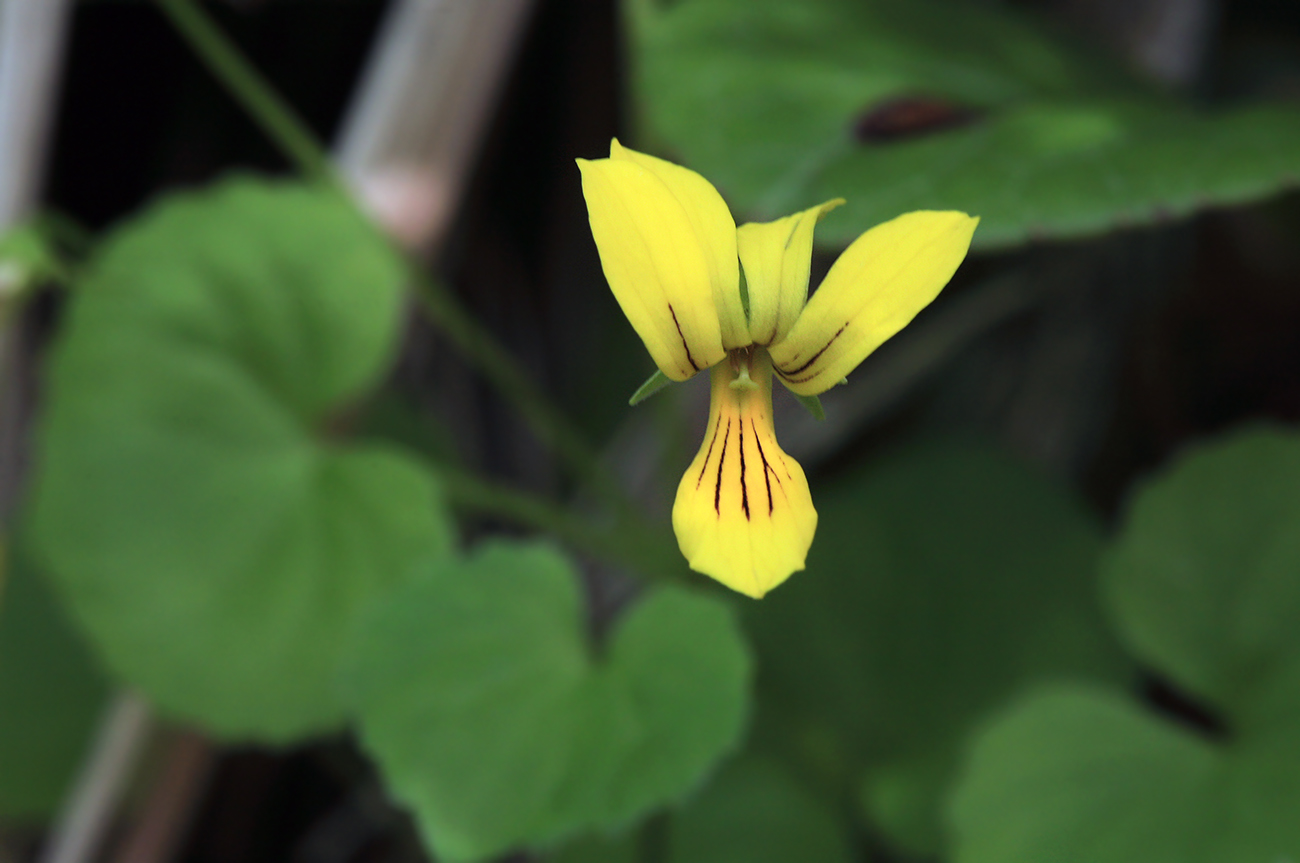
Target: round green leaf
764,96
51,695
212,530
1079,776
1204,581
1204,578
491,717
943,580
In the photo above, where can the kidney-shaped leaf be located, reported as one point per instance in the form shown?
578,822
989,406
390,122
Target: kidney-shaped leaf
211,528
1204,582
494,720
902,105
1085,776
1204,579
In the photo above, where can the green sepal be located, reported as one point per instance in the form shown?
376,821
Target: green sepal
653,384
813,405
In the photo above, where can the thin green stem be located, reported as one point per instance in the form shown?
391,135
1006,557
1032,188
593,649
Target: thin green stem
627,543
262,103
478,346
469,337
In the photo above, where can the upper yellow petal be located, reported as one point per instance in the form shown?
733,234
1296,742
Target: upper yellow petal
743,513
875,288
715,230
777,256
655,263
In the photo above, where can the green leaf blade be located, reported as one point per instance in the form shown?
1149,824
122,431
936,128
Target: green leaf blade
1091,778
1049,141
481,700
1202,579
1202,582
211,537
51,697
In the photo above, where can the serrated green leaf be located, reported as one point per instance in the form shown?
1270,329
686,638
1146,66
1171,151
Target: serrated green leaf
51,696
763,96
944,580
653,384
1203,584
481,699
212,530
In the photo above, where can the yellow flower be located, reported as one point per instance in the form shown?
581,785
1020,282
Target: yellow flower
669,248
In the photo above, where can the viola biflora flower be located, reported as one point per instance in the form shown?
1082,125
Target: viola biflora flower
670,250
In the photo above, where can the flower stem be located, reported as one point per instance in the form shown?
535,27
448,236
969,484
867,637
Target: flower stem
469,337
478,346
629,544
262,103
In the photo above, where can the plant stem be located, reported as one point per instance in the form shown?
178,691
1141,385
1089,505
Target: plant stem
469,337
496,364
627,542
280,122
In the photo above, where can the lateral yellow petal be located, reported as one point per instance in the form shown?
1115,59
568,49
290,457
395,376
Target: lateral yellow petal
654,263
777,256
715,229
743,513
875,288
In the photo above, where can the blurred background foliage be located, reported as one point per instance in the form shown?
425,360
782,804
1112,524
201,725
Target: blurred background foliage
925,105
1049,614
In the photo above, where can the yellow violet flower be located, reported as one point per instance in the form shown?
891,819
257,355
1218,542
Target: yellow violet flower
669,248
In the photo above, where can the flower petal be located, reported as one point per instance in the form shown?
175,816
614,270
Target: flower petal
875,288
743,514
715,229
655,265
777,256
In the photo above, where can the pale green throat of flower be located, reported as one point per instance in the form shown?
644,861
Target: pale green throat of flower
672,255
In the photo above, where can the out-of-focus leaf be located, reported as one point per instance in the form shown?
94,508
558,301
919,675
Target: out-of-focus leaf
27,258
902,105
752,811
943,581
492,718
1074,774
621,848
51,695
211,528
1204,582
755,812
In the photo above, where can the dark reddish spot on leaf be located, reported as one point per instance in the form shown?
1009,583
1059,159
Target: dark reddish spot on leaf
910,117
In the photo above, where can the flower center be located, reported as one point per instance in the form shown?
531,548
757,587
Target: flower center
741,360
